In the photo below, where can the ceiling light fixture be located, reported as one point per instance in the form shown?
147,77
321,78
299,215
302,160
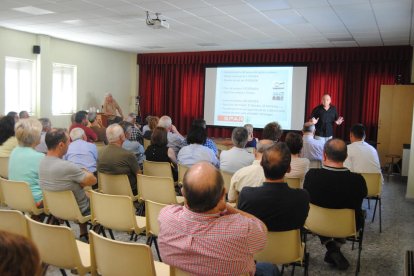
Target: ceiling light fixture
156,23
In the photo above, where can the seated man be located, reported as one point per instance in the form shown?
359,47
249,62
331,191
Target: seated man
175,140
131,145
272,131
46,126
56,174
237,157
97,127
334,186
312,148
113,159
206,236
280,207
136,134
23,114
80,152
81,121
298,166
250,176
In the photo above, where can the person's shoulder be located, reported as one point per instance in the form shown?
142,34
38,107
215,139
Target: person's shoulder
170,211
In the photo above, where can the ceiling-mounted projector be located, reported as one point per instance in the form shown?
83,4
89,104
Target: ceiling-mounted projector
156,23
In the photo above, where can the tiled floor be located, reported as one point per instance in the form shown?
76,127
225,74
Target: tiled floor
382,253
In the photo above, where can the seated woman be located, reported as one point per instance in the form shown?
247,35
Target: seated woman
159,152
152,124
195,152
298,166
25,160
7,139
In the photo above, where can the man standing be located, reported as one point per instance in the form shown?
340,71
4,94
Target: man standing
323,116
334,186
312,148
206,236
175,140
81,121
110,107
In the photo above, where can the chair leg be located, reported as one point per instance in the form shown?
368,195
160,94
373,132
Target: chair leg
375,209
67,223
111,233
283,269
369,203
306,263
102,231
156,248
62,271
149,240
380,220
293,270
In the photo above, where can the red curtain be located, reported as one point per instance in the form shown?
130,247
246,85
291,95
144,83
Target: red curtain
173,83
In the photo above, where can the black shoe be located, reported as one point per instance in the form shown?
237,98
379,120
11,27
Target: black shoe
328,258
338,259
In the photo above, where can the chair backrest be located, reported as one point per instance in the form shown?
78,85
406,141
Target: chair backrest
152,210
62,205
113,211
4,167
57,245
147,142
13,221
227,179
114,184
17,195
293,182
157,189
374,183
282,247
160,169
111,257
338,223
182,169
315,164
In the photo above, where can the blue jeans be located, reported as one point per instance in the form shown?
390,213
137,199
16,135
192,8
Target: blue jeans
266,269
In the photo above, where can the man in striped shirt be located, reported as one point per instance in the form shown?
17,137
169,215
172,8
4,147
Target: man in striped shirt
206,236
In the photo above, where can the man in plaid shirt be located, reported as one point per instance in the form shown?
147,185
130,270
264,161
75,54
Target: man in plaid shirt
206,236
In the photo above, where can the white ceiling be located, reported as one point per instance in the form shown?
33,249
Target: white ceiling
205,25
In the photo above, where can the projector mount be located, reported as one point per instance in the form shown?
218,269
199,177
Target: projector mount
156,23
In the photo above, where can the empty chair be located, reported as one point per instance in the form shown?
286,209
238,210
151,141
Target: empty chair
111,257
182,169
227,179
293,182
161,169
13,221
115,184
374,186
57,246
284,248
4,167
152,210
115,212
158,189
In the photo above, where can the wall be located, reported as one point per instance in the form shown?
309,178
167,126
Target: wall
100,70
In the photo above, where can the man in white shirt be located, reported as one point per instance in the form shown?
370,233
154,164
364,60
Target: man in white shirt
250,176
312,148
362,157
237,157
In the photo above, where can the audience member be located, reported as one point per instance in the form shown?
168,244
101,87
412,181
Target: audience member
131,145
14,115
206,236
110,107
113,159
334,186
251,141
152,124
97,127
175,140
250,176
298,166
196,151
280,207
146,127
136,134
209,142
18,256
8,139
46,126
23,114
272,131
237,157
56,174
158,151
81,121
81,152
24,160
312,148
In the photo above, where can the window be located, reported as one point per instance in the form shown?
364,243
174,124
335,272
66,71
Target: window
20,85
64,89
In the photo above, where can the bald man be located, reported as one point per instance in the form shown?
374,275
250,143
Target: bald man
206,236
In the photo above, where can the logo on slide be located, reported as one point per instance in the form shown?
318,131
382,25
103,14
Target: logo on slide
227,118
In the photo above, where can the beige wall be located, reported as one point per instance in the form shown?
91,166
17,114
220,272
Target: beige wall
100,70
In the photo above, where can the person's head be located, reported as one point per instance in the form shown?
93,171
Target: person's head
72,118
261,146
14,115
131,118
199,122
127,127
18,256
326,100
115,134
276,161
23,114
108,97
92,117
249,128
357,133
6,128
335,150
239,137
294,142
308,128
81,117
203,188
28,132
46,124
272,131
153,122
57,140
197,135
159,137
165,122
77,133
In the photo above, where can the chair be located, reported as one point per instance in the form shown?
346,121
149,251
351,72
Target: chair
115,212
227,179
57,246
115,184
315,164
111,257
284,248
17,195
374,186
152,210
147,142
335,223
293,182
182,169
4,167
158,189
63,205
1,192
160,169
13,221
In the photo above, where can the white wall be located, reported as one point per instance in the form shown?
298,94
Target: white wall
100,70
